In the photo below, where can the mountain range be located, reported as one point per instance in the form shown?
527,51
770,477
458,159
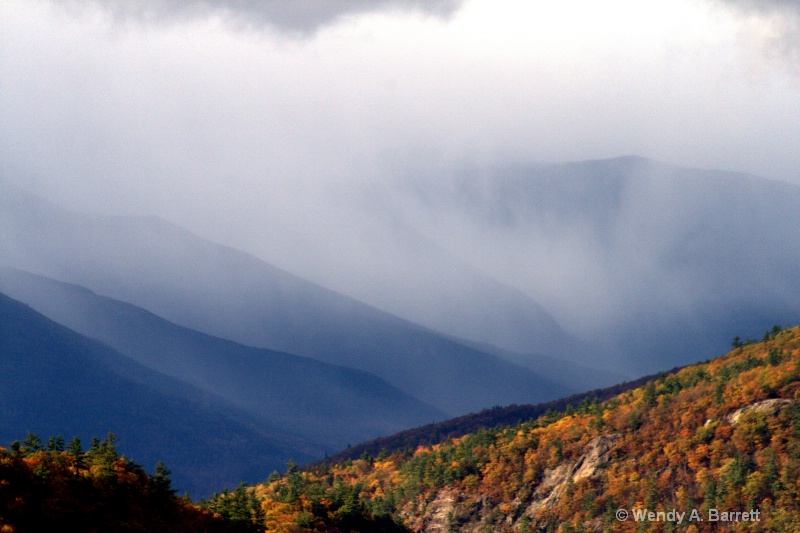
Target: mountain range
587,274
57,382
228,294
649,262
714,446
331,405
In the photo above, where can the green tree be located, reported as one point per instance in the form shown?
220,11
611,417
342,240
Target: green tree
161,482
774,357
76,450
240,507
650,398
716,396
32,444
55,444
75,447
710,496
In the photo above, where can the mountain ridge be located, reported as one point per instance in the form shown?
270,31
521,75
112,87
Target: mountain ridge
627,244
58,382
346,406
216,290
487,419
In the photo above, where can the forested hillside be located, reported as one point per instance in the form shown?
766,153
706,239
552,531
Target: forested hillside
64,487
713,438
712,447
509,415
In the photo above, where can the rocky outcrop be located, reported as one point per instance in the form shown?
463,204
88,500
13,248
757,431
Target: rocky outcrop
451,510
769,407
589,465
439,513
455,510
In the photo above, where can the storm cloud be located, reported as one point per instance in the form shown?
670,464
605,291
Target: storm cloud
299,17
311,134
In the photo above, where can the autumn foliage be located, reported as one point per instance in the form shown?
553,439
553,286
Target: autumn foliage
722,435
50,488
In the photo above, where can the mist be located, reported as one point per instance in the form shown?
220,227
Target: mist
360,146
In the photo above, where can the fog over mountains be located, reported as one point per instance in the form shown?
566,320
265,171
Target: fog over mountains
271,387
550,259
231,295
518,284
291,226
621,264
643,258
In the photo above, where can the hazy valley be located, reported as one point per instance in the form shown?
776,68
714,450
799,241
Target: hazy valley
702,256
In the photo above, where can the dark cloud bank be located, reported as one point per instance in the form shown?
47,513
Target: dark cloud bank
297,16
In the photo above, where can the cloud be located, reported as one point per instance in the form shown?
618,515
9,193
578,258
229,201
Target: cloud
222,128
277,145
772,27
765,5
299,17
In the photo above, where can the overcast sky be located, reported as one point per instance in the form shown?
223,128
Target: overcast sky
274,126
112,96
211,112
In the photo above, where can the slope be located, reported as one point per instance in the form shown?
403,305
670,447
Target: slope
53,489
698,449
509,415
372,251
225,293
651,262
54,381
330,405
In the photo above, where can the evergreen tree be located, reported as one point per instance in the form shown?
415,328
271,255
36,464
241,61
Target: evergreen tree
32,444
162,483
75,447
55,444
649,396
76,450
716,396
774,357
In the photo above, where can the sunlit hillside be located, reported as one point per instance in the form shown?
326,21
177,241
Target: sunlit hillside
715,438
58,486
712,447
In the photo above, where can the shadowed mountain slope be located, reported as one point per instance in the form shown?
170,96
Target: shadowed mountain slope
327,404
229,294
54,381
652,263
